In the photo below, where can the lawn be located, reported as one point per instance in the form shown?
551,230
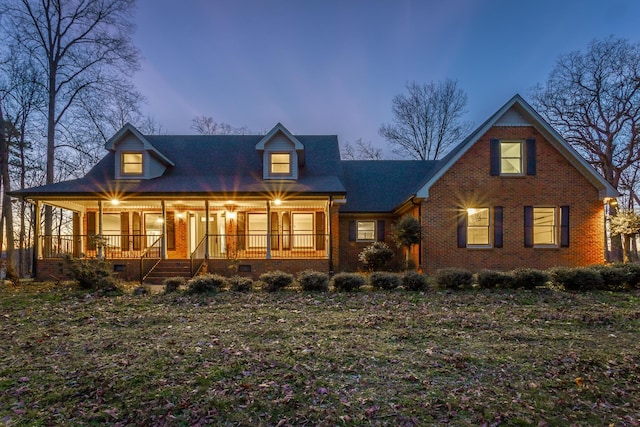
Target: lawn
291,358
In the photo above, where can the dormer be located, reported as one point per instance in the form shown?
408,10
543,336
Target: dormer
282,154
135,157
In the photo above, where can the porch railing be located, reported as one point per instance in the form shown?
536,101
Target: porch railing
220,246
125,246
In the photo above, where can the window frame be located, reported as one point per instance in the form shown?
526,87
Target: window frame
555,227
374,230
488,227
272,163
124,163
521,158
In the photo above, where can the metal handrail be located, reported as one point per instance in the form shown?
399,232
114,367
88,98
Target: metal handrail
144,274
198,260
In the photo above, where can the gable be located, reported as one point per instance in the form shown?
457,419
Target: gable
134,156
517,113
282,154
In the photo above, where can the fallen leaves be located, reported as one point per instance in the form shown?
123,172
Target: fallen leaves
320,359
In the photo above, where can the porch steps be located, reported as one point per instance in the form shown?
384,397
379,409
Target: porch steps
169,268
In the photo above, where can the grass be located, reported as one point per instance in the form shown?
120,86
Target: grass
291,358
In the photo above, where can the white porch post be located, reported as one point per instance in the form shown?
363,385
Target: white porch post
36,230
206,229
163,240
100,241
268,229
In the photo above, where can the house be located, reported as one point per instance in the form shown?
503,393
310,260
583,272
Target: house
512,194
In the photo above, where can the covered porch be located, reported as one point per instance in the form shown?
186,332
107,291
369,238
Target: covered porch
139,233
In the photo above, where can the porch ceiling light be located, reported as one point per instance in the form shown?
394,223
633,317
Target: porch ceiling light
115,202
277,202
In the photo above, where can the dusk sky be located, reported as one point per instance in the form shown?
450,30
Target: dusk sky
333,67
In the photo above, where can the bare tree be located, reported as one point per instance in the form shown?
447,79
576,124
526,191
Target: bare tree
593,99
205,125
361,151
427,120
78,46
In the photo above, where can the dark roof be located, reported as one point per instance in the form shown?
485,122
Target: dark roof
204,164
383,185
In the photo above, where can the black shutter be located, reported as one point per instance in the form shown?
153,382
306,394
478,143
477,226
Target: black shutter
380,230
528,226
462,228
497,226
275,232
137,231
171,231
91,230
531,156
240,240
495,157
564,226
124,231
321,230
352,231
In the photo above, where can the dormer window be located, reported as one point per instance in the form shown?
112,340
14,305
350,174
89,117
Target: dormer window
132,164
280,163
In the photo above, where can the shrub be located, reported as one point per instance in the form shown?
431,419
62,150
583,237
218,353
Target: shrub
386,281
172,284
240,283
376,255
348,281
91,274
313,281
276,280
140,290
529,278
634,274
205,283
414,281
453,278
615,276
577,279
490,279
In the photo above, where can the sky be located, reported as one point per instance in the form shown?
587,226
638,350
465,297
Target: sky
333,66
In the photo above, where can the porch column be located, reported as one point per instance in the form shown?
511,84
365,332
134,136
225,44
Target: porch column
268,229
163,241
100,241
36,230
206,229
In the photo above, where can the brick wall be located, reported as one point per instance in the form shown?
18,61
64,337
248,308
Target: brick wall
468,184
260,266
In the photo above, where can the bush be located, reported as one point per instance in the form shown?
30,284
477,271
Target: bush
240,283
172,284
529,278
490,279
634,274
453,278
276,280
313,281
616,276
386,281
205,283
348,282
91,274
577,279
376,255
414,281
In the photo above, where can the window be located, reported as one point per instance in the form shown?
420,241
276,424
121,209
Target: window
478,224
302,230
281,163
510,157
366,231
257,230
132,163
544,226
